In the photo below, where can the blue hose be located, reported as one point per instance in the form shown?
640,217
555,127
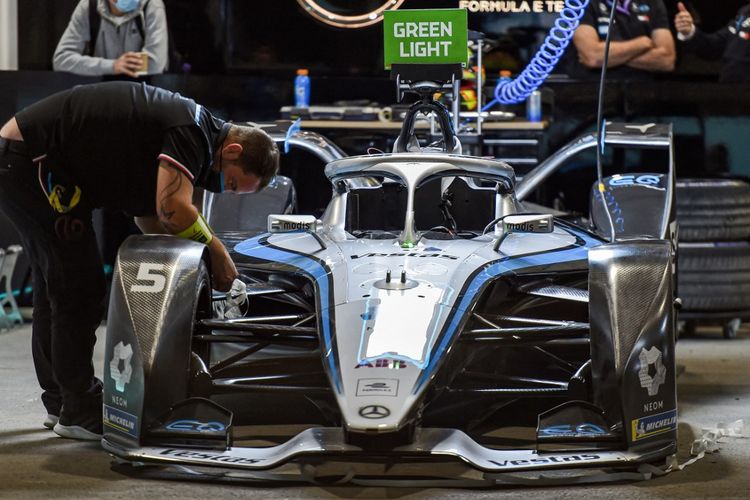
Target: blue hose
549,54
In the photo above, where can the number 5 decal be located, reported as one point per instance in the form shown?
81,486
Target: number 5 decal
150,274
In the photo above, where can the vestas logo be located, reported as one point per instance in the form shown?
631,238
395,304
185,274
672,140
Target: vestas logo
211,457
420,255
545,460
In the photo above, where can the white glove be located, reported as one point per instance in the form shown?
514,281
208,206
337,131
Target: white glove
236,297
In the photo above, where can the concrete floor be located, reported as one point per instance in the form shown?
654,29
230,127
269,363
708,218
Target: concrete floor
35,463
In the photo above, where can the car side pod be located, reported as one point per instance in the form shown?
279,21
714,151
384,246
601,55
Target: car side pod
631,311
159,285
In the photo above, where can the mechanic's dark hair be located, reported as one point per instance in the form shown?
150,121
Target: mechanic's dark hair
260,155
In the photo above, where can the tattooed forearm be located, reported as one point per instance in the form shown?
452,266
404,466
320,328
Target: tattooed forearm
167,202
165,217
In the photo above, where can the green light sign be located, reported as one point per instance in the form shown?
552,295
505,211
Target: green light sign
425,37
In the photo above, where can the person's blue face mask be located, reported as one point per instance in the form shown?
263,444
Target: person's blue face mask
127,5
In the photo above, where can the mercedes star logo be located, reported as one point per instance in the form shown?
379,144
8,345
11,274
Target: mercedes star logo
374,411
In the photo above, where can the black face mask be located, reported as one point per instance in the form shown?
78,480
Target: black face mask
214,181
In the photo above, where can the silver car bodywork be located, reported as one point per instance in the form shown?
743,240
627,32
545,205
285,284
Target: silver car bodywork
389,333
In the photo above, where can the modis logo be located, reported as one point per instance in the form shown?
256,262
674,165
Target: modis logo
291,223
292,226
523,226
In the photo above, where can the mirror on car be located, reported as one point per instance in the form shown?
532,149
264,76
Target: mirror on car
285,223
528,223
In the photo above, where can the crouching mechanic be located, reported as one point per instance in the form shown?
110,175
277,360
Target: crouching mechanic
118,145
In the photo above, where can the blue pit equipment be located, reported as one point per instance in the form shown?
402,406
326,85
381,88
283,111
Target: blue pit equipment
536,72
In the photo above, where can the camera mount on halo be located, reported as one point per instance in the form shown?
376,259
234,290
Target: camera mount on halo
425,80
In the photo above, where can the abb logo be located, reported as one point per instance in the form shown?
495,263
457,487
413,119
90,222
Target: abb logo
393,364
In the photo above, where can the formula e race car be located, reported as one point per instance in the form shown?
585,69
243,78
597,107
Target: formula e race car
428,317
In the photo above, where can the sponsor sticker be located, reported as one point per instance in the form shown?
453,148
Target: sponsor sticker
393,364
121,421
651,379
546,459
652,425
573,431
291,223
528,224
377,387
421,255
652,406
631,180
122,353
211,457
195,426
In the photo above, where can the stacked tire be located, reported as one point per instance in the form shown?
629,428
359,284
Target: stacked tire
714,251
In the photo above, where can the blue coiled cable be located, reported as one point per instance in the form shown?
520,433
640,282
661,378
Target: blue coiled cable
545,60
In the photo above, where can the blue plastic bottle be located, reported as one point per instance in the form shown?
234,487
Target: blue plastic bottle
302,89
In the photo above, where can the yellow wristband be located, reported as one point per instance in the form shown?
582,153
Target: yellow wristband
198,231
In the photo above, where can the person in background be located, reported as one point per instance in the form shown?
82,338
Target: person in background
641,43
731,43
124,146
106,37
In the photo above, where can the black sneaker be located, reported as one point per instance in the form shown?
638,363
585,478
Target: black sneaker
81,419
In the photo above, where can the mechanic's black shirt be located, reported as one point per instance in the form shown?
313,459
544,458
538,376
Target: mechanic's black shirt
108,139
731,43
633,18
